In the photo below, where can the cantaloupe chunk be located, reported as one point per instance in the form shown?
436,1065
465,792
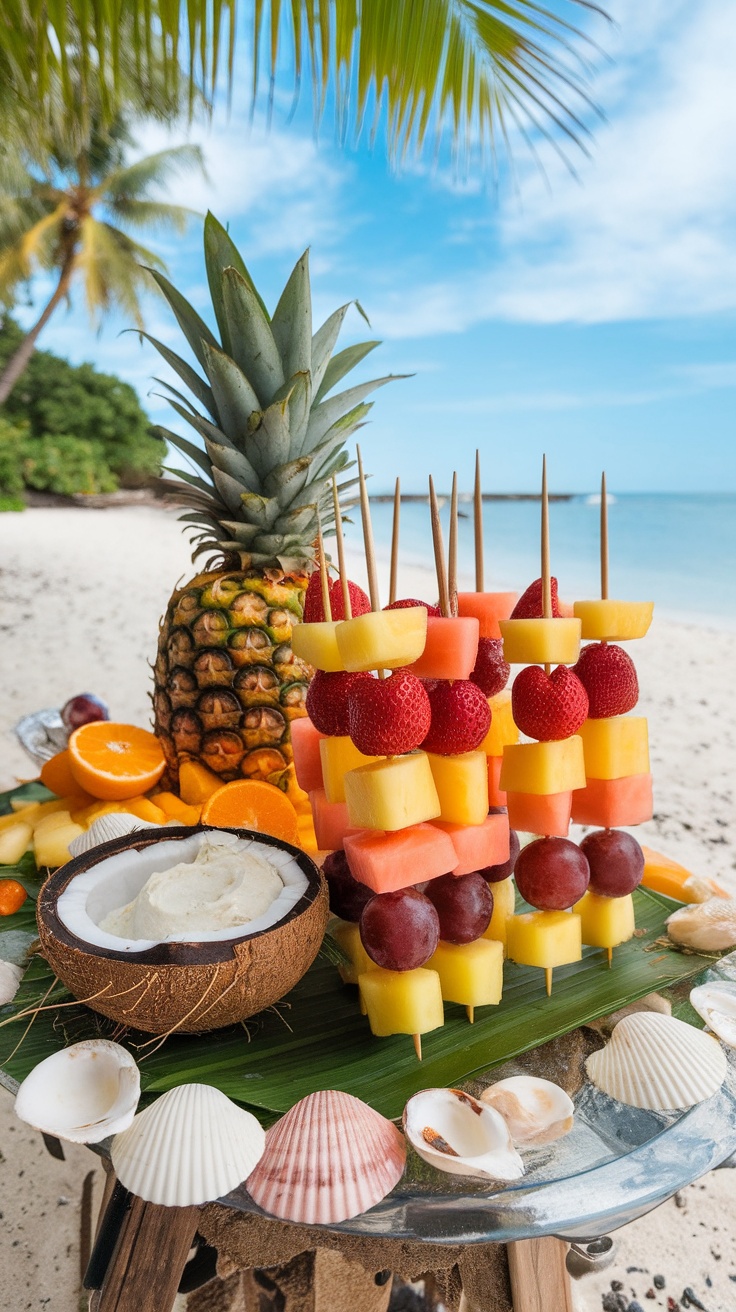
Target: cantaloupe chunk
307,839
51,843
496,795
197,783
502,730
611,803
13,843
305,740
545,814
504,905
389,861
331,823
338,755
402,1001
174,809
616,747
144,809
614,621
605,921
450,649
347,935
488,608
317,645
392,794
383,639
470,973
478,846
553,767
544,938
462,787
540,641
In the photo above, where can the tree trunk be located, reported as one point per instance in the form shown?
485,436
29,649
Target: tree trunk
18,362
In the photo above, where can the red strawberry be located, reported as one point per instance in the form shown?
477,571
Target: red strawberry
327,700
529,605
609,677
548,706
491,671
412,601
461,717
387,717
313,610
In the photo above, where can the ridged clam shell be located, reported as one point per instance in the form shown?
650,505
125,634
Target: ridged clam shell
10,978
716,1003
191,1146
330,1158
658,1062
460,1135
536,1111
705,926
105,827
83,1093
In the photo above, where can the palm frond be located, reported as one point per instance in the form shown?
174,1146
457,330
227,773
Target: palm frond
36,244
135,181
111,265
152,214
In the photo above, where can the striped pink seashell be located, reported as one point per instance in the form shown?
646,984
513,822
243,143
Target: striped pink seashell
328,1159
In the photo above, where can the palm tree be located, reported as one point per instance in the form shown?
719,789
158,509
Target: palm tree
68,216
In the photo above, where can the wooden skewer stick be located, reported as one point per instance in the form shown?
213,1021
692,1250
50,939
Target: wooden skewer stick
323,576
546,578
341,552
609,954
478,519
368,543
418,1045
439,551
604,539
452,552
470,1011
548,979
394,576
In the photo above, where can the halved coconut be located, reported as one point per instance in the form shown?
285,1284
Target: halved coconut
178,983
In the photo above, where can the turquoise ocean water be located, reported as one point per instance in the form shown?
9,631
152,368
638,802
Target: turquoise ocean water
678,550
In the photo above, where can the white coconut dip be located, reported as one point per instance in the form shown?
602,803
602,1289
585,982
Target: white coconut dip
221,888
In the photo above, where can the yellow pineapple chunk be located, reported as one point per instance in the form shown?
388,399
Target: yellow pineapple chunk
402,1001
540,641
20,815
13,842
544,938
317,645
392,794
504,905
51,842
348,937
606,921
543,768
462,787
615,748
174,809
502,730
144,809
470,973
54,821
383,639
338,755
614,621
197,783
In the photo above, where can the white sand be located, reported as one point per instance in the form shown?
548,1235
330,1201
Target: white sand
81,593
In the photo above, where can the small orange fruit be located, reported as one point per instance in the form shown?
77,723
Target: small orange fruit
252,804
57,775
115,761
12,896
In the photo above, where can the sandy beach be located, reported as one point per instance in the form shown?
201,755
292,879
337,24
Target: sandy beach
81,592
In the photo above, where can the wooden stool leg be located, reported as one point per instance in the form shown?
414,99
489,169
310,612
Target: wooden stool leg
148,1259
539,1277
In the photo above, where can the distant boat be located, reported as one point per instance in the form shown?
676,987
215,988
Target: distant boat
595,499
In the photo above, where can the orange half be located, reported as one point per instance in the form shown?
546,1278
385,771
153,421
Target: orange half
253,804
115,761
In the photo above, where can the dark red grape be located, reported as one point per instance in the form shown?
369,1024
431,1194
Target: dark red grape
400,930
464,905
494,874
347,895
552,873
491,671
616,862
83,709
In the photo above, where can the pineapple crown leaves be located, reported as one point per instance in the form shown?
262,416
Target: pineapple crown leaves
273,433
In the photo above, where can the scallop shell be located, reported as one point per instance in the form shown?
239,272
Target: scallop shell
700,888
460,1135
658,1062
10,978
716,1003
112,825
536,1111
191,1146
328,1159
705,926
83,1093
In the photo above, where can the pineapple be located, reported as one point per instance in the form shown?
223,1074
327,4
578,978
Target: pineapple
227,683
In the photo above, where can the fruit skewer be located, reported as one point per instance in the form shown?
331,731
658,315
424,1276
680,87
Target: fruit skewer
394,571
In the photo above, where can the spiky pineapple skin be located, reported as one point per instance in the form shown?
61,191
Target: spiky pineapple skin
227,684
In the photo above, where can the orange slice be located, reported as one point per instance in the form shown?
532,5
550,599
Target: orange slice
57,775
252,804
115,761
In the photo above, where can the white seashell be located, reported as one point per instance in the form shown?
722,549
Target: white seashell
112,825
83,1093
10,978
705,926
191,1146
657,1062
328,1159
716,1003
701,889
460,1135
535,1110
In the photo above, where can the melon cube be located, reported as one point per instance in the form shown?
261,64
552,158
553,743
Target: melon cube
51,843
614,621
402,1001
544,938
545,814
504,905
386,862
392,794
553,767
383,639
331,823
305,741
450,650
502,730
462,787
540,641
488,608
347,936
611,803
605,921
478,846
338,755
616,747
470,973
13,843
496,796
317,645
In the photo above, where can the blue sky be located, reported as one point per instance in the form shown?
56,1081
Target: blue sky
592,318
